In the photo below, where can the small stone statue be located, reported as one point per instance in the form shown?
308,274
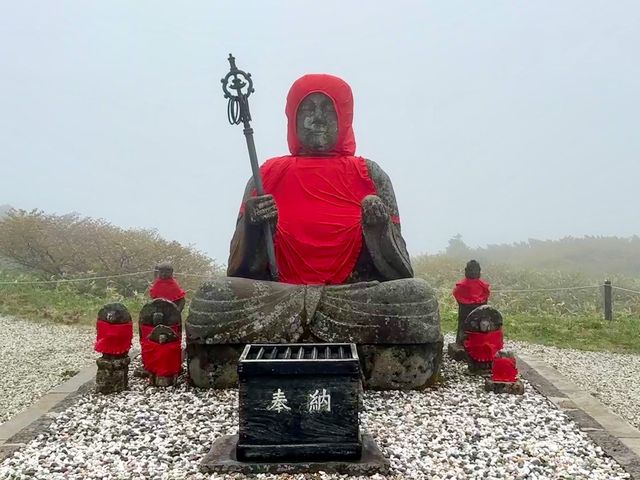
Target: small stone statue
344,269
167,287
161,341
504,375
482,338
114,332
470,293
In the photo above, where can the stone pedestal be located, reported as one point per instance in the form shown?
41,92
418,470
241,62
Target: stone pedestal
222,459
158,381
384,367
112,374
482,369
400,367
514,388
456,352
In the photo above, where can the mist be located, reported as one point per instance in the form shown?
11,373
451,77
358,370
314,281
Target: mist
499,121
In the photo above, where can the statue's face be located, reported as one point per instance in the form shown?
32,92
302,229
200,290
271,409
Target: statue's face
317,123
163,271
472,272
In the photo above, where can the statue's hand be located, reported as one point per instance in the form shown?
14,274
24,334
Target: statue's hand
374,211
261,209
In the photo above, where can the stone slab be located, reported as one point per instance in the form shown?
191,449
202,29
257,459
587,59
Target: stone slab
71,385
23,419
222,459
613,434
25,425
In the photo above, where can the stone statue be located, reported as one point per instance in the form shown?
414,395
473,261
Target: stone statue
470,293
161,341
114,332
504,375
167,287
482,338
344,270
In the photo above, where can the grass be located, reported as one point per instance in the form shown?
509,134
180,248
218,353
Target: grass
60,303
63,303
580,332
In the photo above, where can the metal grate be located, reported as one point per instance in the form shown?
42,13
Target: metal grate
300,352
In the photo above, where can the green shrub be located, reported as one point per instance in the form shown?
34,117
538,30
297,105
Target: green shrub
57,247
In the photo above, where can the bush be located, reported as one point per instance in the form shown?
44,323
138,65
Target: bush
70,246
443,271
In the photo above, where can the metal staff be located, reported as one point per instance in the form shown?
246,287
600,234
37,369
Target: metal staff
238,112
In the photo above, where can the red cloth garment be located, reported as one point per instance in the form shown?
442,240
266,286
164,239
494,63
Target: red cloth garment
113,338
167,288
482,347
163,360
472,290
319,234
504,370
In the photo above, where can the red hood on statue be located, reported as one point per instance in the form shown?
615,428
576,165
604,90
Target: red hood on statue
319,235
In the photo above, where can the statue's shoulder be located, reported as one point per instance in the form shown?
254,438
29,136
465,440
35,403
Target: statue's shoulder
383,184
376,173
275,162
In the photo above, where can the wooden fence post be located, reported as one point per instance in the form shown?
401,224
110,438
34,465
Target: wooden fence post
608,302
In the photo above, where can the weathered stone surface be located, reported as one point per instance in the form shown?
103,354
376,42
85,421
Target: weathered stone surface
464,309
113,370
400,367
384,367
113,373
161,335
514,388
160,312
237,311
222,459
161,315
396,315
482,319
457,352
213,365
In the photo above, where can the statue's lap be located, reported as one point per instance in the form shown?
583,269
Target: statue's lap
395,324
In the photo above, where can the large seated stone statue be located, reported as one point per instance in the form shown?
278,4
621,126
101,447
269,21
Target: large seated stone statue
344,270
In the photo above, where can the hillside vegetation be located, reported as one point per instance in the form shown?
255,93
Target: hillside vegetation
62,247
593,256
538,286
42,256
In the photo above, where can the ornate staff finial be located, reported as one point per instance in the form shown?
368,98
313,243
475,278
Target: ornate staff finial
237,85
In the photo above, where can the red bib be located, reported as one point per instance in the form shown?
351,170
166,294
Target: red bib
113,338
482,347
319,234
167,288
164,360
504,370
472,290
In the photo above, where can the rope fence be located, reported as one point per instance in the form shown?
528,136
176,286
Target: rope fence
626,290
90,279
608,288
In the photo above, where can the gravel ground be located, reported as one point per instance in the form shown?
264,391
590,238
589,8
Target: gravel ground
457,432
35,357
610,377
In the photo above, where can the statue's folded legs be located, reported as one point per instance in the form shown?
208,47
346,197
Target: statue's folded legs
395,324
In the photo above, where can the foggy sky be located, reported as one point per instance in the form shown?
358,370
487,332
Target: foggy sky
497,120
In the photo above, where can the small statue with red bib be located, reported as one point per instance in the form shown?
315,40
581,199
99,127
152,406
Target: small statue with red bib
167,287
470,293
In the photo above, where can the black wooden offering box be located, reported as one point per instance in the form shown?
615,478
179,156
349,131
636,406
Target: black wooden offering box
299,402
